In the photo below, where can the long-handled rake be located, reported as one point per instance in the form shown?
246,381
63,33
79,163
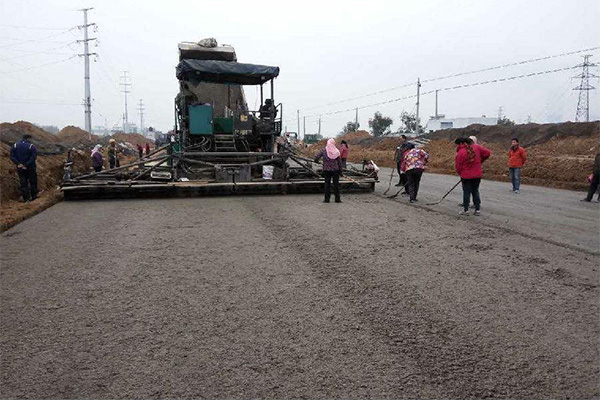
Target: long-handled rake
390,184
444,196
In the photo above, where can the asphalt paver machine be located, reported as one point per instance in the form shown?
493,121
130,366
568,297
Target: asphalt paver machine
218,146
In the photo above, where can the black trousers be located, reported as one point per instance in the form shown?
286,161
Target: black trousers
329,175
28,183
593,187
403,181
413,177
471,188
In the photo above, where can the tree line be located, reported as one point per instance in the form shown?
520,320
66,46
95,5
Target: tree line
380,124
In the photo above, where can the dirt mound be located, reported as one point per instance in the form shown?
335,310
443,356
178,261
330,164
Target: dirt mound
11,133
76,136
351,138
528,134
354,137
559,155
561,163
133,138
49,171
360,142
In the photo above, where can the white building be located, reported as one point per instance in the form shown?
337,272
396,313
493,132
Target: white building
441,122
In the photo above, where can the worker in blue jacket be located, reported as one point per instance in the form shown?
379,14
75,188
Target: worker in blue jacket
23,154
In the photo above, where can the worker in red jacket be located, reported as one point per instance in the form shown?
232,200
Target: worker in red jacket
468,160
516,159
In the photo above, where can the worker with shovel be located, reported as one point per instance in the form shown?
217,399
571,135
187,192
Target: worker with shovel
113,160
415,162
398,157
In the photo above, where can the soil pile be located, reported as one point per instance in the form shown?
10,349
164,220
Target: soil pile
11,133
133,138
76,137
559,155
51,151
559,163
528,134
49,171
50,164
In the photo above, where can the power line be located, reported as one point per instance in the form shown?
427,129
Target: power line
37,66
31,27
455,75
38,40
37,53
46,51
511,64
444,89
510,78
39,102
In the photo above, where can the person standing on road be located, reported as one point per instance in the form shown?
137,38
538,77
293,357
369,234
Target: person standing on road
140,151
147,149
406,147
516,159
344,153
415,162
113,160
468,162
332,169
398,156
594,181
23,154
97,161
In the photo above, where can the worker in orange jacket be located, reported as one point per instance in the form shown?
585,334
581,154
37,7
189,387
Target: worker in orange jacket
516,159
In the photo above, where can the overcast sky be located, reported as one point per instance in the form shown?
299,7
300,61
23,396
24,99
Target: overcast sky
328,51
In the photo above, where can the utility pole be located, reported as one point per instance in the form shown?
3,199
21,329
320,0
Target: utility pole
356,120
125,89
436,103
500,109
319,125
87,102
418,103
583,103
141,111
304,132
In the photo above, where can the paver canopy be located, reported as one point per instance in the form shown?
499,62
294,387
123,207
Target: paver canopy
213,71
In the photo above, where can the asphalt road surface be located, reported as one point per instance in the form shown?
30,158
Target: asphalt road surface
284,296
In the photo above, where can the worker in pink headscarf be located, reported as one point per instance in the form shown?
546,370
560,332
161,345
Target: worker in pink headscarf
332,169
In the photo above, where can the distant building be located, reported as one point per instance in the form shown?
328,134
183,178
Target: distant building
100,130
441,122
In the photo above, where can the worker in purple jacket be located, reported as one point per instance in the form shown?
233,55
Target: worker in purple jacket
332,169
97,160
23,155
